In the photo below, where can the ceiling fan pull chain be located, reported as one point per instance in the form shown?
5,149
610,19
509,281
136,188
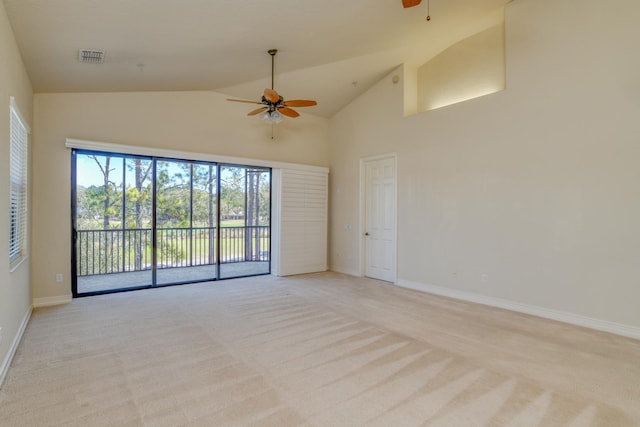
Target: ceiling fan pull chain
428,13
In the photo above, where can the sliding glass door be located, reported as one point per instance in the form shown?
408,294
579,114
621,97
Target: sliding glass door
186,221
143,222
245,220
112,222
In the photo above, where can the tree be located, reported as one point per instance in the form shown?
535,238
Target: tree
173,199
232,189
252,218
109,188
204,204
140,197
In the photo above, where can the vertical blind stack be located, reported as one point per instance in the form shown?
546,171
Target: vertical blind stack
303,222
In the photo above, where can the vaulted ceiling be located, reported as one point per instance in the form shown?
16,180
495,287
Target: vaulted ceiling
329,50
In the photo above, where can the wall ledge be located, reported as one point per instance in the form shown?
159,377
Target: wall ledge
561,316
51,301
6,363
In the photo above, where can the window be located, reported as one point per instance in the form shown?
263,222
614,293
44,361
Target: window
18,159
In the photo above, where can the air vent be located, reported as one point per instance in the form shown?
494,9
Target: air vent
93,56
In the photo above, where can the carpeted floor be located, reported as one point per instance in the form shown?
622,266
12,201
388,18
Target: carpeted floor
314,350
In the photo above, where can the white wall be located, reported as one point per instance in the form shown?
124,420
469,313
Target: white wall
15,294
200,122
537,186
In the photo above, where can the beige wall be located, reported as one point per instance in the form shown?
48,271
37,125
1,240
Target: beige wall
15,299
470,68
537,186
201,122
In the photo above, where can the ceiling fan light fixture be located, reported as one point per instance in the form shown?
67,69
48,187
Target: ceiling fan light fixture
273,117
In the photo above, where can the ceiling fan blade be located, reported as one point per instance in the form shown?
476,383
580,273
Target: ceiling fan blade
257,111
410,3
300,103
288,112
244,100
271,95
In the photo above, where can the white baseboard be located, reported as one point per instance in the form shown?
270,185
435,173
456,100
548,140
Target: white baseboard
561,316
50,301
4,368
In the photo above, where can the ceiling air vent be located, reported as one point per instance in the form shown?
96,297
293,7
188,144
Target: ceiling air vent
93,56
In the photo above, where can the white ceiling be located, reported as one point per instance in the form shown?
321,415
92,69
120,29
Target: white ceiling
166,45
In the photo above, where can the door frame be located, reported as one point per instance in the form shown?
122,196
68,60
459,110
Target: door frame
363,210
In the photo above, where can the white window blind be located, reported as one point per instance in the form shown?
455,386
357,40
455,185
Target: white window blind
18,159
303,222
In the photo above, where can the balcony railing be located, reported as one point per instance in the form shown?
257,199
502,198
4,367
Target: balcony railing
119,251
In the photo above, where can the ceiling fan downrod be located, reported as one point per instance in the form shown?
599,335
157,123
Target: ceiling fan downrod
272,52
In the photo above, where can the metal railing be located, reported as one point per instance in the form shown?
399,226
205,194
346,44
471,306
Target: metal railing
119,251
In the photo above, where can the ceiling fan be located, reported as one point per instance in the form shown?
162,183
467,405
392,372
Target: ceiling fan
273,105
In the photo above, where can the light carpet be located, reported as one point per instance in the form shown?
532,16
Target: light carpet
314,350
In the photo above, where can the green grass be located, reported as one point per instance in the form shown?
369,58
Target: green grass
232,223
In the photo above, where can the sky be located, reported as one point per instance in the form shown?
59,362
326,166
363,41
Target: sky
88,172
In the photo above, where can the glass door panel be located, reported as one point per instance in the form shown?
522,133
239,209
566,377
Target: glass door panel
138,224
205,219
245,219
104,193
173,219
184,214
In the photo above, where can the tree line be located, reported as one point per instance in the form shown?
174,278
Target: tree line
186,195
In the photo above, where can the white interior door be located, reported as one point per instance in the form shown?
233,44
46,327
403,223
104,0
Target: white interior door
380,219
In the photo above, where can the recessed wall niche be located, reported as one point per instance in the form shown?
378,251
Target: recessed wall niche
471,68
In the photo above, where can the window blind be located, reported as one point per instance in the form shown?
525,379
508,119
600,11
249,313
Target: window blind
18,159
